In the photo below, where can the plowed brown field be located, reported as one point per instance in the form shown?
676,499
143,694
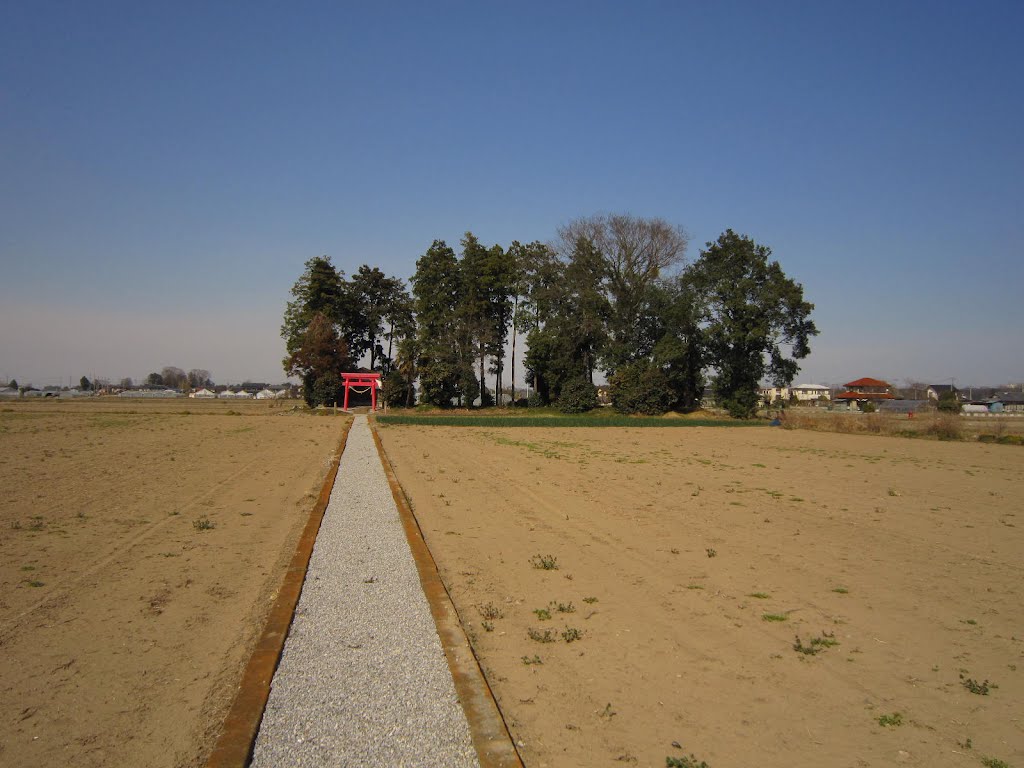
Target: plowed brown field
697,562
125,620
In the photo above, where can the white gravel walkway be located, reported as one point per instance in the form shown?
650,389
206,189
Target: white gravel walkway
363,679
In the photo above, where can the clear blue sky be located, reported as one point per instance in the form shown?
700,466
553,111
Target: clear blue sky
167,168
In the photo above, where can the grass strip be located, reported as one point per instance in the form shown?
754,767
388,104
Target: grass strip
559,421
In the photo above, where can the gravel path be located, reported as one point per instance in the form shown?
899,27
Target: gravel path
363,679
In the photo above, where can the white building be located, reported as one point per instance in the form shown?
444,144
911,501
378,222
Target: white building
809,392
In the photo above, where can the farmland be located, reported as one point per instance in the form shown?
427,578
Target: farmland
750,596
141,543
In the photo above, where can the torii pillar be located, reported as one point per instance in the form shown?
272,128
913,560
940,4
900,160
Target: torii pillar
371,380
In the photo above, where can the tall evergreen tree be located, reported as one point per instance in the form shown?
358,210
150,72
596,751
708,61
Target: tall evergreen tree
442,366
678,350
751,310
372,303
317,351
474,308
320,288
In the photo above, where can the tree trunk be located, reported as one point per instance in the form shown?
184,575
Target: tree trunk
515,311
483,381
391,339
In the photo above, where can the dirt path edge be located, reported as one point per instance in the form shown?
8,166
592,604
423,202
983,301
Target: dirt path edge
491,738
238,734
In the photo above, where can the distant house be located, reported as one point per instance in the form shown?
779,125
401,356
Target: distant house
266,394
1008,402
770,394
806,393
203,394
865,390
9,392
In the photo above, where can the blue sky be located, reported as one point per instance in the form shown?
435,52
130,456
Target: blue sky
168,168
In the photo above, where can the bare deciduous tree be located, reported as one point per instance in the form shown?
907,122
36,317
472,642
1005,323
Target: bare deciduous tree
173,377
198,377
634,253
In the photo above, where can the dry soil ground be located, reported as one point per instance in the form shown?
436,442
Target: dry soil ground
690,560
125,621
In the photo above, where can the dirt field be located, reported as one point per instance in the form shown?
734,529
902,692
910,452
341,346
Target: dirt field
691,559
125,620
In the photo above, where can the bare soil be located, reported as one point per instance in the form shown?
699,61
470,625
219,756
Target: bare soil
125,619
698,564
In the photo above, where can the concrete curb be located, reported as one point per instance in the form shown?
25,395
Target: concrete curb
491,738
238,734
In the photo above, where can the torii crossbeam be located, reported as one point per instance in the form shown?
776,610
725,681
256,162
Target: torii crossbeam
369,380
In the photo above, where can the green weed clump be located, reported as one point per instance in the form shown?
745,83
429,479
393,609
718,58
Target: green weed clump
816,644
685,762
547,636
972,685
544,562
891,721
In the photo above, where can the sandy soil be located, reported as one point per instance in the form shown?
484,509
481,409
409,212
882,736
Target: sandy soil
124,627
690,559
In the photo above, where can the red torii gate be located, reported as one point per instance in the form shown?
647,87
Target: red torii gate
370,380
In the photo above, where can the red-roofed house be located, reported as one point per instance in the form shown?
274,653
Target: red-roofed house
866,390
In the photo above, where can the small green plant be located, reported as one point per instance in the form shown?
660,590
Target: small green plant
816,644
566,608
488,626
544,562
841,591
28,567
994,762
891,721
759,595
15,525
571,634
203,524
711,552
535,660
972,622
972,685
685,762
543,614
965,744
490,612
547,636
589,600
35,583
774,617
